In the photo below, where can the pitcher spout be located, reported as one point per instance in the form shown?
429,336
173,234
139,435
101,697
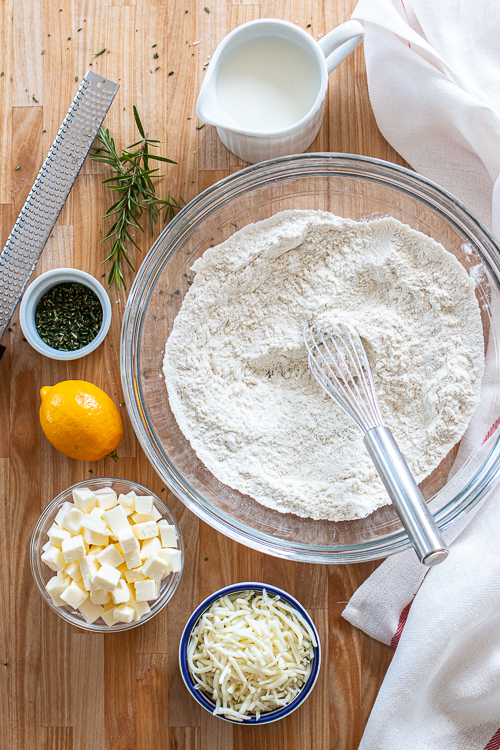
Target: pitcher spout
207,106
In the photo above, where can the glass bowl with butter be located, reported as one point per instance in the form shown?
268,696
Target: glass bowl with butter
107,554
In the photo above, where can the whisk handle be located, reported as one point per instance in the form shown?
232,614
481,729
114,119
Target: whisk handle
405,495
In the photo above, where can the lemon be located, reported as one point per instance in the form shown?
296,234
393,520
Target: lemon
80,420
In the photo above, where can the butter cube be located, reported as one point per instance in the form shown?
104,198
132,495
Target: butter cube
97,513
109,616
106,577
106,498
73,570
154,568
110,555
95,539
150,547
126,501
131,495
98,525
172,557
73,548
88,568
73,520
116,519
154,515
53,557
91,611
62,576
168,534
142,517
133,559
84,499
121,595
124,613
141,608
128,540
65,507
145,530
131,589
133,575
74,595
143,504
127,504
145,591
56,535
55,587
94,549
122,568
47,545
100,596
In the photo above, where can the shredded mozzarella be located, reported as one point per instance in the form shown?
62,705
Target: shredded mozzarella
250,653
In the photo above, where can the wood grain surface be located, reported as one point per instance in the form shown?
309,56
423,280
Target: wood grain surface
65,689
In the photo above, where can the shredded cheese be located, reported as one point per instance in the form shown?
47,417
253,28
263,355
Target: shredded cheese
250,653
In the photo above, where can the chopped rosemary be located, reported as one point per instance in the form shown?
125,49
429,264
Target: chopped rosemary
68,316
100,52
132,180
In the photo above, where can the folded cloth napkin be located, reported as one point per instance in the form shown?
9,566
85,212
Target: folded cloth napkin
434,80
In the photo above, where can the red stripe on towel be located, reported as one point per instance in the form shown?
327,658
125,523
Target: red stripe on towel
494,743
402,622
406,14
491,430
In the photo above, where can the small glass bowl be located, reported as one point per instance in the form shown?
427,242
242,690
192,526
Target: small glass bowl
203,700
42,573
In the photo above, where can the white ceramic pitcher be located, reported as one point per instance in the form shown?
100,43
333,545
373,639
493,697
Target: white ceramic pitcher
252,145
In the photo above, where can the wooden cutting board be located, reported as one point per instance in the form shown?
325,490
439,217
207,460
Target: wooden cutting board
61,688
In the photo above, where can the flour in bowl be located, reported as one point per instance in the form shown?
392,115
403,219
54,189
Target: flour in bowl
236,365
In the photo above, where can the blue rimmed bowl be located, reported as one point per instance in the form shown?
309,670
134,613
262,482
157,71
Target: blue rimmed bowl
204,700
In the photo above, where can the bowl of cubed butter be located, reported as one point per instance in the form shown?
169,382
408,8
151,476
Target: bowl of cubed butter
107,554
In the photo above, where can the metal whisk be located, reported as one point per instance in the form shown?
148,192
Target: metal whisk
338,361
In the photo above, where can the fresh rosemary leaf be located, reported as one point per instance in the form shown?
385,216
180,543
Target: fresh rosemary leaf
132,181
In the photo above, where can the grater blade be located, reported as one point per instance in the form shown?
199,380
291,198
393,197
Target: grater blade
51,189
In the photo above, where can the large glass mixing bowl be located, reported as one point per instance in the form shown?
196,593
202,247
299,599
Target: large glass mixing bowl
350,186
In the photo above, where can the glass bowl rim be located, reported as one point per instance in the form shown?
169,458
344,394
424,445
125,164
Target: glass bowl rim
271,716
397,177
68,616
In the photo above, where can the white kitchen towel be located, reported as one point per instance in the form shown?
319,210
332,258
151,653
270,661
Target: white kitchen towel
434,79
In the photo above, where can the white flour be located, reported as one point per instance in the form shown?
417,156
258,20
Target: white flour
236,366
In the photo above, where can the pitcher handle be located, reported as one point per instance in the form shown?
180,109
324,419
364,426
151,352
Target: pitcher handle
340,42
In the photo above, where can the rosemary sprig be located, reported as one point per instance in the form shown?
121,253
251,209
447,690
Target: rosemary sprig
132,179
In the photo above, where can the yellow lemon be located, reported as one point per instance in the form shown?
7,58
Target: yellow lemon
80,420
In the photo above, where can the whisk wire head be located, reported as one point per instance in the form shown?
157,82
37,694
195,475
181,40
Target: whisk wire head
339,363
